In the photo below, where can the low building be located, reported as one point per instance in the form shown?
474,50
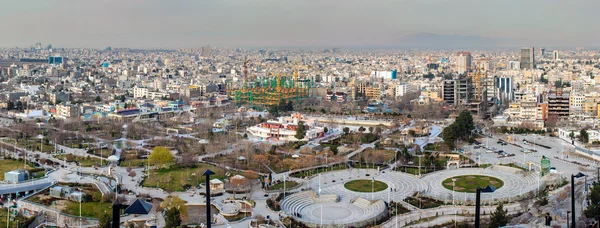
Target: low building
16,176
284,128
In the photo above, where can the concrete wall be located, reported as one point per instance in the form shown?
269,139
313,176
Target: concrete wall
54,216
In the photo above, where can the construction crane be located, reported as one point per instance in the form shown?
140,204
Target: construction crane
476,78
246,73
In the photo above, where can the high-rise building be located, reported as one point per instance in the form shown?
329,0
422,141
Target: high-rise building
463,63
555,55
528,58
543,51
505,85
206,51
55,60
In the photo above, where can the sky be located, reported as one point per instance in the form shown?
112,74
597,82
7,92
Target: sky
292,23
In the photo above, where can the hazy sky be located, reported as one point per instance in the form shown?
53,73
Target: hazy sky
299,23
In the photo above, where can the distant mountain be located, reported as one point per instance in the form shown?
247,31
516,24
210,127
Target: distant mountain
432,40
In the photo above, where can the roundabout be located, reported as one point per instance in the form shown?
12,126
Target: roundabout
469,183
365,185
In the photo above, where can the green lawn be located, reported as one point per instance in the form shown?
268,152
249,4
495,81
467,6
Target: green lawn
514,166
83,161
88,209
177,179
134,163
469,183
288,185
365,186
9,165
423,202
13,222
311,172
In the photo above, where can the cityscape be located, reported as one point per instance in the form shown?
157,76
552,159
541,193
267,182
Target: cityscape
298,127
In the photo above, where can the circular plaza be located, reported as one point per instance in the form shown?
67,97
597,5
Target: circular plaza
357,195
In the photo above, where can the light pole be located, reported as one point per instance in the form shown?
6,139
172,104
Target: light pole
207,174
573,176
489,188
568,218
373,188
453,184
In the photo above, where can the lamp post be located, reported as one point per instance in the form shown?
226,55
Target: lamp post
207,173
453,184
573,176
478,201
373,188
568,218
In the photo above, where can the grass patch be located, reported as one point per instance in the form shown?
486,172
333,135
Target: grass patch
179,179
10,164
365,186
88,209
83,161
469,183
423,202
514,166
288,185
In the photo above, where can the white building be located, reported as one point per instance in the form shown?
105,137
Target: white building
463,63
401,90
284,128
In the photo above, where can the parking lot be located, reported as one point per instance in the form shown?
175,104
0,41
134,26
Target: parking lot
520,152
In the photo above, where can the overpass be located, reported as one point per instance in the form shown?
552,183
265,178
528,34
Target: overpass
25,187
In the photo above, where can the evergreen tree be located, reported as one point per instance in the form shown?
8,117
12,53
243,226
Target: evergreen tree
172,218
105,221
98,99
325,129
300,130
346,130
584,137
593,209
498,218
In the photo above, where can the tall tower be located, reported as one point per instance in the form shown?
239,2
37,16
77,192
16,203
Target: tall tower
463,63
555,55
528,58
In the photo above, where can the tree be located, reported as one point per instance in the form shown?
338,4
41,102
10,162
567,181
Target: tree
449,135
161,157
584,137
172,218
593,209
558,84
325,129
370,129
346,130
10,105
177,203
300,130
98,99
361,129
498,218
105,220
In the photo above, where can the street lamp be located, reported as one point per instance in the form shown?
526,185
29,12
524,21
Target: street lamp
453,185
207,173
573,176
568,218
489,188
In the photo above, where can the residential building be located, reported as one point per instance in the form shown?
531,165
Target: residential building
558,105
67,110
463,62
528,58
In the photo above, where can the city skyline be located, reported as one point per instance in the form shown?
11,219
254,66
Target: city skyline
380,24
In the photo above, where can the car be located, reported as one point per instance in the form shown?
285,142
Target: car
489,151
476,147
503,143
